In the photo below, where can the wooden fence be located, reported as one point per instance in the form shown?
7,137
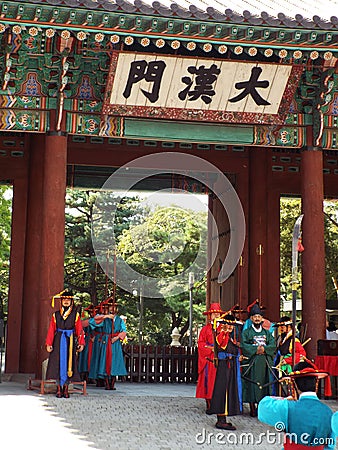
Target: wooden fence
153,364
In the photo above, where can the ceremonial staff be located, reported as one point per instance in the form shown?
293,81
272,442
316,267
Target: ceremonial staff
214,335
296,235
106,271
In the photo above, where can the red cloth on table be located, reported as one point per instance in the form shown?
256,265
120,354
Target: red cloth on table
328,364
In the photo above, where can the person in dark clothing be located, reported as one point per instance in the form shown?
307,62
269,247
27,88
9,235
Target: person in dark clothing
283,359
227,394
65,325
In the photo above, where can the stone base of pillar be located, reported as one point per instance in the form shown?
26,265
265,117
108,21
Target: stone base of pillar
17,377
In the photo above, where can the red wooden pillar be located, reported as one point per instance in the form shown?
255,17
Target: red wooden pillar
313,257
52,234
258,225
17,257
210,212
30,317
243,266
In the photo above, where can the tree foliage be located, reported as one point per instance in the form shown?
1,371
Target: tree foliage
5,238
164,245
289,212
331,248
82,271
167,242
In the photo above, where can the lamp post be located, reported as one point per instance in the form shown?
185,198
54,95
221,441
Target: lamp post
139,292
191,285
140,326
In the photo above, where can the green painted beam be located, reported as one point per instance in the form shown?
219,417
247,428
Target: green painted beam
187,131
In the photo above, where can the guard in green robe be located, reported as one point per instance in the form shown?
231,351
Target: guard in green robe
258,347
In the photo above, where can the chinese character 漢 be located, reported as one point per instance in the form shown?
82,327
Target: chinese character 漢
249,87
203,83
151,72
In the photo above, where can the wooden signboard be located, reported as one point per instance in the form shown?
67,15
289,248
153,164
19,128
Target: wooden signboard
186,88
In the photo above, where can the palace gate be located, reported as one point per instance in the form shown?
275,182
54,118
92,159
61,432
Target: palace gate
87,86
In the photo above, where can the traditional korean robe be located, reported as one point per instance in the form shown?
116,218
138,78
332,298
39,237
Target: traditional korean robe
86,354
206,368
259,370
95,346
307,421
227,395
118,367
110,360
285,352
62,363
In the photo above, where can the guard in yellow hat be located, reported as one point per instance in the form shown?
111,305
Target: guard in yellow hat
64,329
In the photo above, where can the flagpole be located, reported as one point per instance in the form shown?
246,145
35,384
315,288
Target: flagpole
240,270
260,252
114,284
107,271
295,240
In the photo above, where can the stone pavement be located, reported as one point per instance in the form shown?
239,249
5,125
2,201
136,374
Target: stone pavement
135,416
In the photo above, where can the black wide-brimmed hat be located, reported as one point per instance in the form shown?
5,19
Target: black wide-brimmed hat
236,309
255,308
227,318
307,369
283,321
66,293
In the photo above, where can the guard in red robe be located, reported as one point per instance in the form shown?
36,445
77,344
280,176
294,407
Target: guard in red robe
206,367
65,337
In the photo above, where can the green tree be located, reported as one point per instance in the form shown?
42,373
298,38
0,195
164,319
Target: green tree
289,211
82,271
164,245
331,248
5,238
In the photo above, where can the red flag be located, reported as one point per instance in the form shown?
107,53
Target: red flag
300,247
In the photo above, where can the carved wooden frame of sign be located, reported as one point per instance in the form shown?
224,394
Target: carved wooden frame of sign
199,89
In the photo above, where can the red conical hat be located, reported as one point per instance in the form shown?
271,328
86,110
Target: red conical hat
214,308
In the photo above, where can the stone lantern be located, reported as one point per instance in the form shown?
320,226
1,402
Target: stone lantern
175,335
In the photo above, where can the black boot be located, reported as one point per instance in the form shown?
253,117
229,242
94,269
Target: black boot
207,411
59,392
106,384
99,382
253,410
112,384
222,424
65,391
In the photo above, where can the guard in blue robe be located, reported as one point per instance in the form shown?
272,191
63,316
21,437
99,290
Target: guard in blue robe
112,331
334,423
306,421
85,355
